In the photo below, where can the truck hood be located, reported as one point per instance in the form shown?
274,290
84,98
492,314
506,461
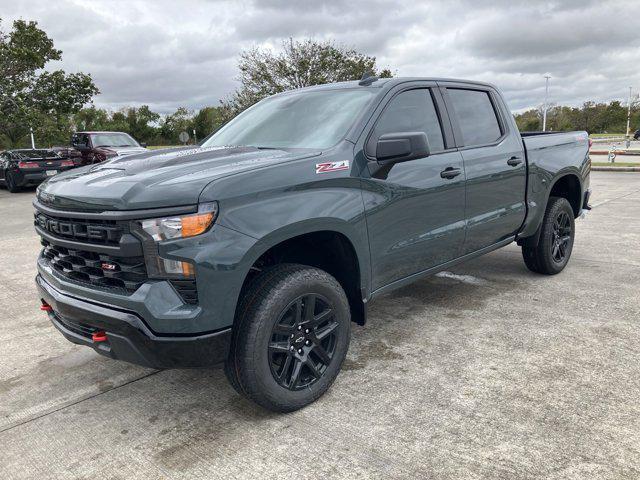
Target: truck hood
160,178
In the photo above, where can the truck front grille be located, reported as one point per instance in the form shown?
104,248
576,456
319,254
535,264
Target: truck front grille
86,231
125,274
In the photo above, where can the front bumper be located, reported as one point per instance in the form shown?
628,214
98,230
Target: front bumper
128,337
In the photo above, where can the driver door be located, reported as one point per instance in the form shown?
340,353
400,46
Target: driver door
415,210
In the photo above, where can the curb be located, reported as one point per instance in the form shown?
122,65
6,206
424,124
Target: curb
617,152
615,169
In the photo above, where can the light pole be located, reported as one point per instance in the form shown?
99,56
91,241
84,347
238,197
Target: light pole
628,142
546,96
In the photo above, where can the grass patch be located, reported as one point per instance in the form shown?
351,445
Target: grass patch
606,135
615,164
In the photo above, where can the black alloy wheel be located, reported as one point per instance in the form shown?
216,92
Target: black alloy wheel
303,342
561,237
555,243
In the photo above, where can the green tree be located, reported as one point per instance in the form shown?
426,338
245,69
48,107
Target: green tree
30,97
529,121
207,120
299,64
140,123
179,121
92,118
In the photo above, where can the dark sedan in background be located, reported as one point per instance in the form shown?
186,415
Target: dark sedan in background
19,168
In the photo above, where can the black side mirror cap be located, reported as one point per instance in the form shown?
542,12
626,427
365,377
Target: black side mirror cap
143,144
401,147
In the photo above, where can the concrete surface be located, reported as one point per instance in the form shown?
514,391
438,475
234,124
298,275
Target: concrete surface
488,371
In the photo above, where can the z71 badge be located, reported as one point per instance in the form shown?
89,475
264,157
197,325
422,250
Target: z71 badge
332,166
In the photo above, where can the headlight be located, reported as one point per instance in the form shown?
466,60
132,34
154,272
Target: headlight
169,228
172,228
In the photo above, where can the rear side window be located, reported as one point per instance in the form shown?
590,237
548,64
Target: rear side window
476,116
410,111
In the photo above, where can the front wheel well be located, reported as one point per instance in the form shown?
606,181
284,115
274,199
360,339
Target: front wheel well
568,186
327,250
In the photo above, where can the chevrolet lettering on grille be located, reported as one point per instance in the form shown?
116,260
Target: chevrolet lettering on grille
78,231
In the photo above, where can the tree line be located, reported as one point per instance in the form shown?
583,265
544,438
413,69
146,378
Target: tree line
54,103
591,116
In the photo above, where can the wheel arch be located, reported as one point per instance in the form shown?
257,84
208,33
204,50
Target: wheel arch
568,185
323,243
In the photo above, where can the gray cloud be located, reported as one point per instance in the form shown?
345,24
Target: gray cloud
169,54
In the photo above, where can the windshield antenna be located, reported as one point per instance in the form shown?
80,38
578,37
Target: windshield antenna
367,78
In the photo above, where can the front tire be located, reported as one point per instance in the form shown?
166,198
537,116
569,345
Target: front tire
554,248
290,337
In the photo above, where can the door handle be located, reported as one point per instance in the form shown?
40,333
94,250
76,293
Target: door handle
514,161
450,172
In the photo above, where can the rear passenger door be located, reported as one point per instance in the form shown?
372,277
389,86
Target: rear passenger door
494,164
414,209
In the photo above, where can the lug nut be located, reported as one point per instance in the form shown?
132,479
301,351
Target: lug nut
307,342
292,348
306,331
292,335
300,351
299,327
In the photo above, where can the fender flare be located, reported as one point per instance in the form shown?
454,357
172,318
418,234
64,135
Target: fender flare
316,225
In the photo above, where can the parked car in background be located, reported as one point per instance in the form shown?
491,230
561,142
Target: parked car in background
70,153
636,134
96,147
19,168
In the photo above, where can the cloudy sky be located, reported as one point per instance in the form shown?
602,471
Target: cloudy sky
168,53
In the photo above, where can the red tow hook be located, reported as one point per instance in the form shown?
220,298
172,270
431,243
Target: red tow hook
99,336
45,307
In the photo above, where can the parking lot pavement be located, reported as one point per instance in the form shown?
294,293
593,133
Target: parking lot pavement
487,371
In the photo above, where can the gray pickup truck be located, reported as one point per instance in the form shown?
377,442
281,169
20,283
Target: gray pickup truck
259,247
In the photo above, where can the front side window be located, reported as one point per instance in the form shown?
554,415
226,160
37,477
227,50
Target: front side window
410,111
476,116
312,119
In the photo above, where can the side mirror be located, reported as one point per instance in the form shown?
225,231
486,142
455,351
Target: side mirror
143,144
401,147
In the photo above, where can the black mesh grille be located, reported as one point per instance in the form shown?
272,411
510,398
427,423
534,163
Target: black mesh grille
125,274
106,232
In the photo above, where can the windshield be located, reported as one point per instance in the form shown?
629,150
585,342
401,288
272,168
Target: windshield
317,119
113,140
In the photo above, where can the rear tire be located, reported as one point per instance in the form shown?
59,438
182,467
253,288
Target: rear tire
291,336
10,181
555,245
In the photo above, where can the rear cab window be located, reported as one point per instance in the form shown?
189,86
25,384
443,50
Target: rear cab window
476,116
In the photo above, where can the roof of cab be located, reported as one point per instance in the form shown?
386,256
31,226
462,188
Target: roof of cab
385,82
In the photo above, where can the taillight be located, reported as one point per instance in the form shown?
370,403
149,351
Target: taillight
28,165
67,163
